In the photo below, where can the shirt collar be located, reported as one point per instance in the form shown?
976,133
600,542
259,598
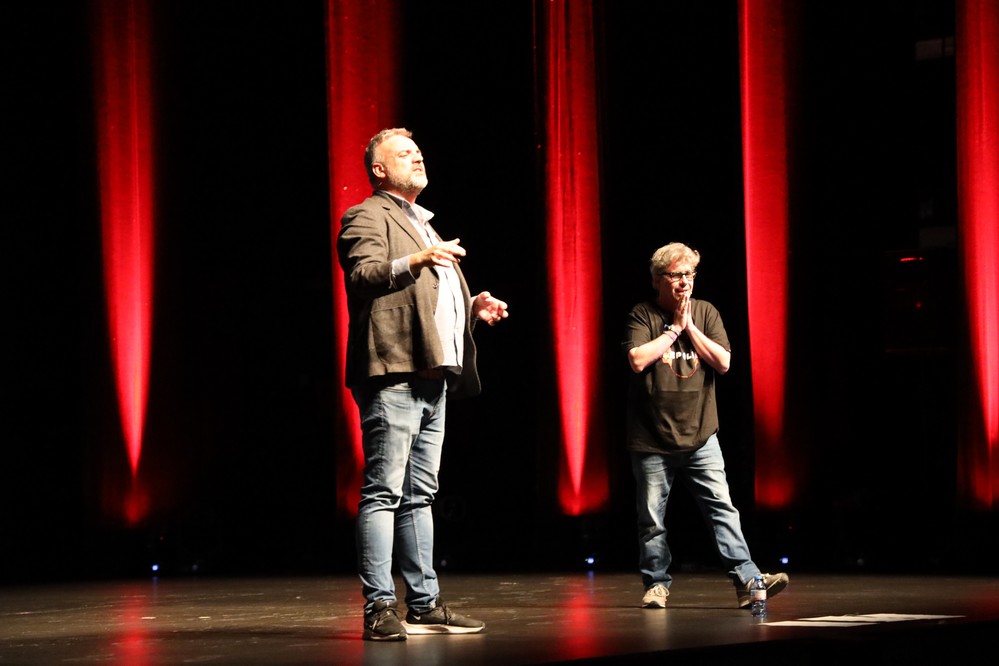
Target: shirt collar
420,212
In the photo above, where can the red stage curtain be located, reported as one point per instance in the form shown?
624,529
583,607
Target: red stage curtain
977,63
125,154
764,60
567,73
362,71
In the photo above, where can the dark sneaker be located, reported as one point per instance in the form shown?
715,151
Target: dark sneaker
441,620
655,597
382,623
775,582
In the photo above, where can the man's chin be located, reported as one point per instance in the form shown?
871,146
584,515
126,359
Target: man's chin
413,188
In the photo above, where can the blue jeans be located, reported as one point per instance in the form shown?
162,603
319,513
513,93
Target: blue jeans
402,433
703,471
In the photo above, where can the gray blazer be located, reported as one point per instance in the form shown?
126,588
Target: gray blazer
392,329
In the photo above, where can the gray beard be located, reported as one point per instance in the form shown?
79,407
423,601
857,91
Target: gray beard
414,185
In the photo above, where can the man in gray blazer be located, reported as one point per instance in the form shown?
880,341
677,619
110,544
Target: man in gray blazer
409,348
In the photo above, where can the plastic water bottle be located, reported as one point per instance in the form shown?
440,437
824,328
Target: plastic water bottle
758,597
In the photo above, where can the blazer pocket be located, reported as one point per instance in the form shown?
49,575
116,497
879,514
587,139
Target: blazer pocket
392,334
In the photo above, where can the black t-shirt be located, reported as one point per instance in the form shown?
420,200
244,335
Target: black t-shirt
671,404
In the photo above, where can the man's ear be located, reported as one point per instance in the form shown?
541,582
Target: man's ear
378,169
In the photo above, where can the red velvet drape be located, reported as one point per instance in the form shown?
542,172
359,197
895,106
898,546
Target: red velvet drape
567,69
362,72
977,63
764,59
123,99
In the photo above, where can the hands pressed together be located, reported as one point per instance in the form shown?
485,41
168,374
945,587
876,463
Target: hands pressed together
681,315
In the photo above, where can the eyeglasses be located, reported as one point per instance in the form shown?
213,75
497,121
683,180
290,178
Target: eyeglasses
675,277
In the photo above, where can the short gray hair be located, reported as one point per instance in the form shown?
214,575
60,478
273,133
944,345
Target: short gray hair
377,140
667,255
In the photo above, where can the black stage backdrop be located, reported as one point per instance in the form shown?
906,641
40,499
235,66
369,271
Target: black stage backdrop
239,451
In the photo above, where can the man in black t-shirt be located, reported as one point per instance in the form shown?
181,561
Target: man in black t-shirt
677,347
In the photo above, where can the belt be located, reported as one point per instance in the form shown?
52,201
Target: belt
431,373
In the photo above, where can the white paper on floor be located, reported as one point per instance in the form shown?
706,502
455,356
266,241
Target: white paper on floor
856,620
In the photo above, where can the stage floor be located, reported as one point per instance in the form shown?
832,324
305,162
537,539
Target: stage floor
576,617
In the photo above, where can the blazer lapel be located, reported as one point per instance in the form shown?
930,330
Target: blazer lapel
395,212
